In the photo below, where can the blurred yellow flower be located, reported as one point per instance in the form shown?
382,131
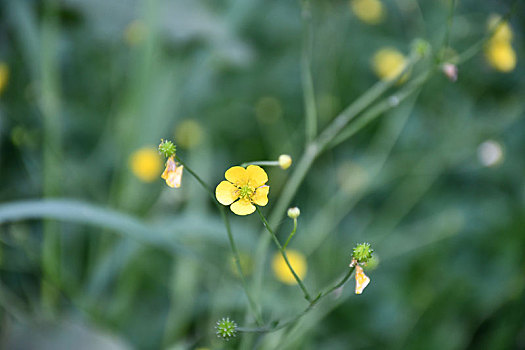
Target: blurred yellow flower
189,134
4,76
361,280
173,173
285,161
387,63
281,270
145,164
135,33
368,11
244,188
503,31
500,55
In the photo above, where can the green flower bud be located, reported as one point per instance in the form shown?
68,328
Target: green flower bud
167,148
226,328
362,253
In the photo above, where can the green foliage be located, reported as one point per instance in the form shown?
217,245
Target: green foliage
427,170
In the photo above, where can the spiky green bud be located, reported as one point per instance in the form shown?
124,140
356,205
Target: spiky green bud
362,253
226,328
167,148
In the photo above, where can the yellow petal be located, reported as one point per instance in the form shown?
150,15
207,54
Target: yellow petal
237,175
361,280
242,207
260,197
256,176
226,193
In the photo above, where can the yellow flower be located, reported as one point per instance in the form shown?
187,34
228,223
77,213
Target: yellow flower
173,173
503,32
145,164
361,280
368,11
388,63
244,188
4,76
281,270
500,55
285,161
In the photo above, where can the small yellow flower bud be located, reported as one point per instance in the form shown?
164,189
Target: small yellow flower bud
293,213
285,161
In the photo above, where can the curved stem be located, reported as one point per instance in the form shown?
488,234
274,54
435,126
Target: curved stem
291,233
283,253
233,246
296,318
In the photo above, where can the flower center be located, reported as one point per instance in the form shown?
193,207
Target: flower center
245,192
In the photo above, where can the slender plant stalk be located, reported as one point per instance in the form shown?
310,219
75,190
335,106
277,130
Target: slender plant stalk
251,301
446,39
380,108
296,318
50,109
261,162
310,153
306,73
291,233
283,253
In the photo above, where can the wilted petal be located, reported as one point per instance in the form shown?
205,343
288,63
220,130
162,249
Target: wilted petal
242,207
226,193
361,280
170,167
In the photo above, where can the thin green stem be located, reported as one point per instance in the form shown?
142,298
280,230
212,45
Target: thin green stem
306,73
296,318
446,39
251,301
354,109
51,110
379,108
291,233
261,162
338,285
283,253
236,256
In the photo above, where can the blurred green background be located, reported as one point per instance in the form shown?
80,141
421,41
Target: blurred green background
96,252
